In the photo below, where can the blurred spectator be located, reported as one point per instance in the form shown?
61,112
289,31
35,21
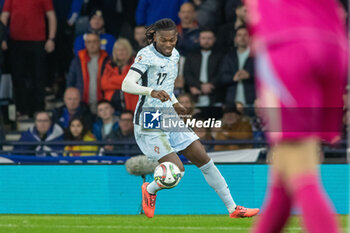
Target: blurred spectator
187,101
119,16
2,131
1,5
240,107
28,45
2,138
43,130
124,133
149,11
179,81
226,33
140,40
72,108
67,12
77,131
201,71
82,23
206,11
257,124
203,133
2,134
233,127
97,25
106,122
226,10
3,32
113,75
187,29
237,71
86,70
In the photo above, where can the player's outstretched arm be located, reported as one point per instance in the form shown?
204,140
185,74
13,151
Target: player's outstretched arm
130,85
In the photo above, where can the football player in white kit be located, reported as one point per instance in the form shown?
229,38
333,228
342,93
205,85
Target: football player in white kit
152,77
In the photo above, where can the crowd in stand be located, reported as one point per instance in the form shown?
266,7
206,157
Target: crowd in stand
84,49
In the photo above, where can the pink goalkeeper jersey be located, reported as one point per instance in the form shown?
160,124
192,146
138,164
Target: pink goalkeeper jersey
301,66
279,21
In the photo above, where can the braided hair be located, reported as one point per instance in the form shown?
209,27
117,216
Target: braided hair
161,25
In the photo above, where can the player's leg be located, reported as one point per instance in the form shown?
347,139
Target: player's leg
297,162
149,190
278,206
153,187
156,146
289,160
295,156
196,153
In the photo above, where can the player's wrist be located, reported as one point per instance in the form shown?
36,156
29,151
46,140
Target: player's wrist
150,91
174,101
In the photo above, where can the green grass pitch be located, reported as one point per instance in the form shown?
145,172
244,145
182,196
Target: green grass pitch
133,224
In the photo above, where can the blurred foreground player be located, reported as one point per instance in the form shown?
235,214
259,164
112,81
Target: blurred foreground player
301,50
152,76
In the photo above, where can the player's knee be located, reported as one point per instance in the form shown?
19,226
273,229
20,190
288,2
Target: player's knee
181,167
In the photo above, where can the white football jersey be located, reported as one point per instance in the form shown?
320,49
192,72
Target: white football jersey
157,72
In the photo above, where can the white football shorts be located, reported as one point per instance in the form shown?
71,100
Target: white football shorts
155,144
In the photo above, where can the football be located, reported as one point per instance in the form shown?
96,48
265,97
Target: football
167,175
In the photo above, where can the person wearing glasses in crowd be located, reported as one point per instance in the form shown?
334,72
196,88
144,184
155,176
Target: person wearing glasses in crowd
43,130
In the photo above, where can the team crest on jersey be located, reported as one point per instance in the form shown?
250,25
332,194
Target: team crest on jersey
139,58
156,149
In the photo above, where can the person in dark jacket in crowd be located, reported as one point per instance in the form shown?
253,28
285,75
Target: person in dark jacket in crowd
43,130
237,71
119,16
72,107
139,41
188,30
201,71
224,38
124,132
2,129
107,122
97,25
149,11
67,13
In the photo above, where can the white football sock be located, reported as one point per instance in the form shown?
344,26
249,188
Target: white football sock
153,187
214,178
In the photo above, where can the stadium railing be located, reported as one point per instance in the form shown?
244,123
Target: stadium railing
337,153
